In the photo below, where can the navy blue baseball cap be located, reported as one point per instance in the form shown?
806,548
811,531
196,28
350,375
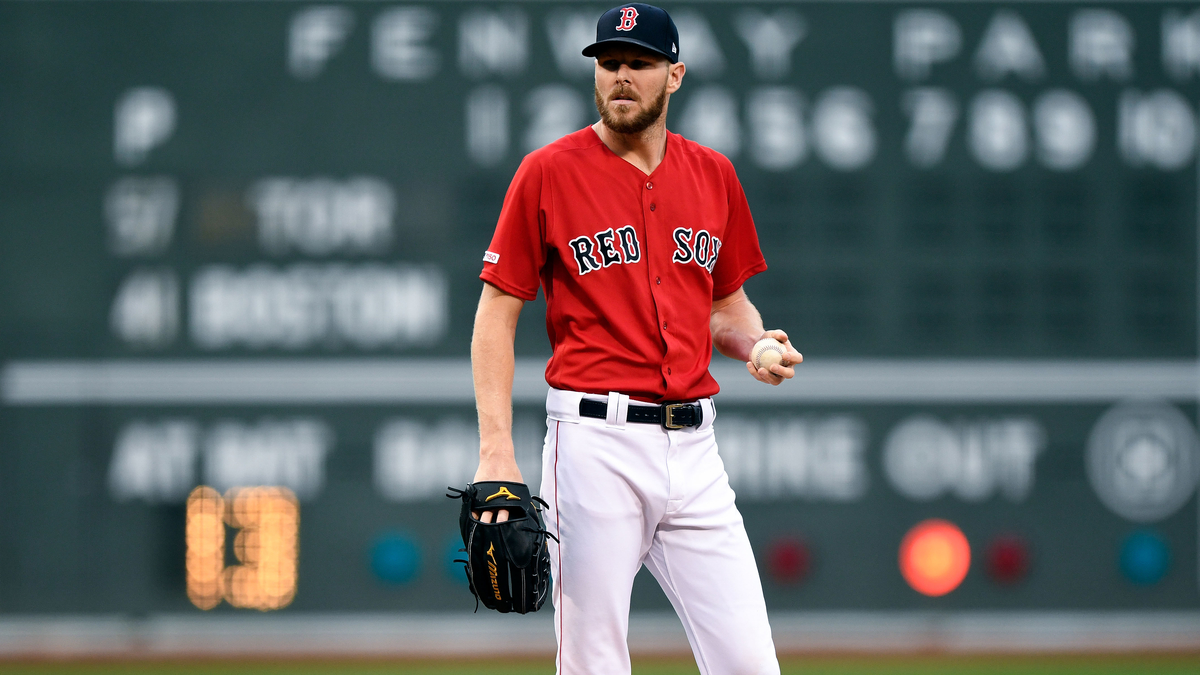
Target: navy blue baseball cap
637,24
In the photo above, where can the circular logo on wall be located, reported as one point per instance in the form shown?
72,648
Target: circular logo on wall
1143,460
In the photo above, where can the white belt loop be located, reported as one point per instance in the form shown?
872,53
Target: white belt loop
618,410
623,409
710,414
563,405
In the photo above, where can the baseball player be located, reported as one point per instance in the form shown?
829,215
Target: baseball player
641,241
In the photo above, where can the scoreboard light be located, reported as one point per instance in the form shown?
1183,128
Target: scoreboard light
788,560
395,558
1145,558
934,557
1008,559
205,537
267,520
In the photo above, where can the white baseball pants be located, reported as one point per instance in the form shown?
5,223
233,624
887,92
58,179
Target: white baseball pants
623,495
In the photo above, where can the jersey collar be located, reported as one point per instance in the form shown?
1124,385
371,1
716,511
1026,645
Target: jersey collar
642,174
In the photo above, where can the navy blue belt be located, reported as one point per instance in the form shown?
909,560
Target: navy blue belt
669,415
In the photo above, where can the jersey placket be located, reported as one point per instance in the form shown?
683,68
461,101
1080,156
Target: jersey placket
649,212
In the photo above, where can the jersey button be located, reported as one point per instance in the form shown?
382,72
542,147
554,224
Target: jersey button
649,185
652,207
668,371
658,280
664,325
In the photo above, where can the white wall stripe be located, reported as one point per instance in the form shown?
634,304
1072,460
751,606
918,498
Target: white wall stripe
364,381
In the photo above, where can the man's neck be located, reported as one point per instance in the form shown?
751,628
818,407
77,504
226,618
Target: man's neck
645,149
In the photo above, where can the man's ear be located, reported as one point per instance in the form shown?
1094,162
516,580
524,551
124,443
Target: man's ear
675,77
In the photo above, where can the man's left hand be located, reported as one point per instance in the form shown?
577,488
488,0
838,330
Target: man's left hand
785,369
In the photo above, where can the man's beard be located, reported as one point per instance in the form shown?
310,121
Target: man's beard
637,123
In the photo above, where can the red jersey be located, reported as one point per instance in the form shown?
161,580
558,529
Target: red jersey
629,263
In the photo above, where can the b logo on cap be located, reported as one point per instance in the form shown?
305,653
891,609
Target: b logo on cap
628,18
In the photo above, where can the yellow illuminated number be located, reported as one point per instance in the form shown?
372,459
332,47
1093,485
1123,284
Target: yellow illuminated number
205,536
267,520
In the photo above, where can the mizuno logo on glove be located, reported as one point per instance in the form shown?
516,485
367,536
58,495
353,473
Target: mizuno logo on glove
503,493
494,570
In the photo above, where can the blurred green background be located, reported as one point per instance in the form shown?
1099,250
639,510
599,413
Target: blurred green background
239,245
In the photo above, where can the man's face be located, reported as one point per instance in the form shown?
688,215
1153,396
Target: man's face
631,87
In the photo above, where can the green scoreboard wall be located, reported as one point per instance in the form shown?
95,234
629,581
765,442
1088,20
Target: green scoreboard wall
239,245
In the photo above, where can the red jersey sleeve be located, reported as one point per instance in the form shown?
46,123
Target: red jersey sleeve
740,256
513,261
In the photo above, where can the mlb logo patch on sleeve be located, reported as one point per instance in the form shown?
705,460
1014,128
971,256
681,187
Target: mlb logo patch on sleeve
490,257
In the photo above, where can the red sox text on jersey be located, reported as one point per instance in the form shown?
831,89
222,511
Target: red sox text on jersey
599,251
629,263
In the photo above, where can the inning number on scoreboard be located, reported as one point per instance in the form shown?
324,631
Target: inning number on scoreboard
266,520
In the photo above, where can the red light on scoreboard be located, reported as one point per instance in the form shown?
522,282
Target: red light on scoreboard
1008,559
788,560
934,557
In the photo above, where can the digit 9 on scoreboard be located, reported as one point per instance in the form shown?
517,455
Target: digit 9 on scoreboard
267,521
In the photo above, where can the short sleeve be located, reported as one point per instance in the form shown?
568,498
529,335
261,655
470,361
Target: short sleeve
740,256
514,260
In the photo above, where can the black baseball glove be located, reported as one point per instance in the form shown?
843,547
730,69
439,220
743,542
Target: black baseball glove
508,564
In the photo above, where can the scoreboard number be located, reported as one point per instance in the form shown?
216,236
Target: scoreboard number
266,520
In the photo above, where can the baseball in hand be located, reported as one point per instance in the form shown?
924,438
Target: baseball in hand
766,353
